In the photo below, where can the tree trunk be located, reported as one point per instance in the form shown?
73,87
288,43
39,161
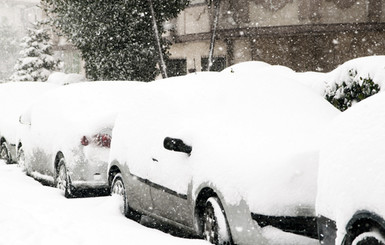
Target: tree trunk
217,4
162,64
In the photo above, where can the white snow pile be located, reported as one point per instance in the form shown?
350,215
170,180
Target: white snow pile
34,214
61,78
255,139
17,97
245,67
316,81
352,162
365,67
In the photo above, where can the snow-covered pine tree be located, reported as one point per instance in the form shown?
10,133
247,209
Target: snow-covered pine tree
36,60
116,38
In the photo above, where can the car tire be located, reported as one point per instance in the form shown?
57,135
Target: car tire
62,179
118,188
21,159
369,238
215,225
4,153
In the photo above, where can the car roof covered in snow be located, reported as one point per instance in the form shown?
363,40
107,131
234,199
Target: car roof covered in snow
83,107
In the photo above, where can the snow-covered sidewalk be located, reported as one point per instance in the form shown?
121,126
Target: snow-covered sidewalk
32,214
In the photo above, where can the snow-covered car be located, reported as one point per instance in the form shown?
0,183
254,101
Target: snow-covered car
68,141
350,201
16,98
230,158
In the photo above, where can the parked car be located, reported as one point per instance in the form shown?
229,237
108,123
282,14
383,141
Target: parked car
230,158
350,201
68,140
16,98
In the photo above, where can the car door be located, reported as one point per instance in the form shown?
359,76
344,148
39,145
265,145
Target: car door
40,162
138,189
170,181
139,193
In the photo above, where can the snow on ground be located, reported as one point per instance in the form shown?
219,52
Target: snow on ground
32,214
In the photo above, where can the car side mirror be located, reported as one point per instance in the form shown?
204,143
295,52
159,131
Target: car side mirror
25,119
173,144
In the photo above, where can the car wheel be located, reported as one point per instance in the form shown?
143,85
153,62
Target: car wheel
62,178
369,238
4,153
215,226
118,189
21,159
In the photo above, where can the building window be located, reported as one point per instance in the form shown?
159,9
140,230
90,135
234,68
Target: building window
196,2
219,63
72,61
176,67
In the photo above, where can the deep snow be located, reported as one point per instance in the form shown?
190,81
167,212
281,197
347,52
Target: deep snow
32,214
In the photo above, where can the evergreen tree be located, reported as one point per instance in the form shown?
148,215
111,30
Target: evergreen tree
116,38
36,62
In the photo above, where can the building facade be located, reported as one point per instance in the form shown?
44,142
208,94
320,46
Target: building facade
305,35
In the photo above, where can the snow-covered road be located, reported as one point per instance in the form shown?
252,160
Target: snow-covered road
33,214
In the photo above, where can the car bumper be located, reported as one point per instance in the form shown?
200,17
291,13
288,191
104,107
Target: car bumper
299,225
89,169
12,151
327,230
89,175
250,228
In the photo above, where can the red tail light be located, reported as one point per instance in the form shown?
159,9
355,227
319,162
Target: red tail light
103,140
84,141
